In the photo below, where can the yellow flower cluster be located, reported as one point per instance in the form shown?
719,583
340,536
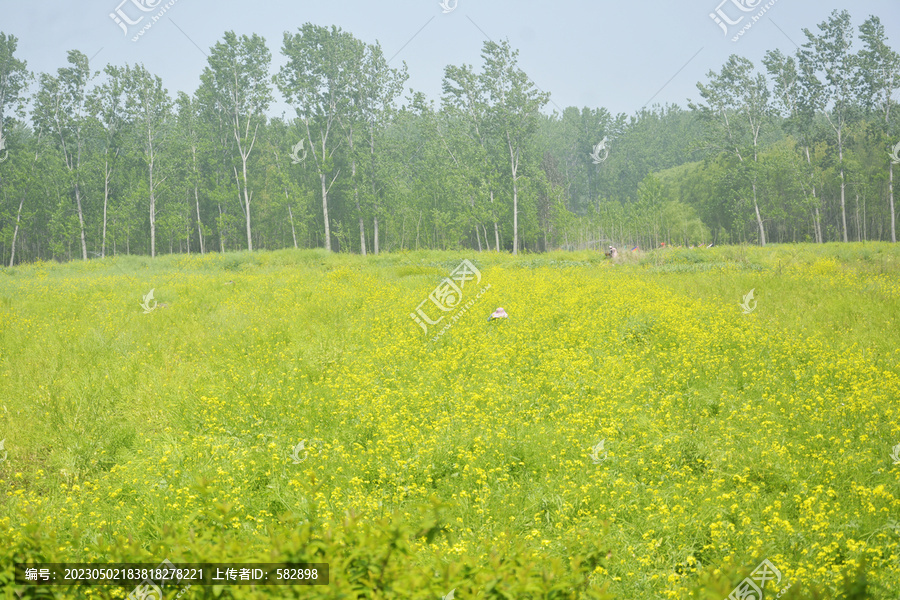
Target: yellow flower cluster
728,438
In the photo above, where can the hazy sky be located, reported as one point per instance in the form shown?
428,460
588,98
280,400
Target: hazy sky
618,55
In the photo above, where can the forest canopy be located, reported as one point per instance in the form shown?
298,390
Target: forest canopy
801,147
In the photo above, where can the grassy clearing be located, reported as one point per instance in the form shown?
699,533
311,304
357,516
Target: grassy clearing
463,462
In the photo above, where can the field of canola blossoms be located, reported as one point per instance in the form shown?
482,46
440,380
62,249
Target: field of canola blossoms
471,460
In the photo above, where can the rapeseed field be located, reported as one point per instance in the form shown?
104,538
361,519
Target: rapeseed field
638,428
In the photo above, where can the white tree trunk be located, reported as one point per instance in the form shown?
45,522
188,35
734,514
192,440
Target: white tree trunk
759,221
891,201
81,222
496,229
293,231
247,197
106,175
843,185
514,167
199,224
152,213
12,256
375,234
325,212
362,225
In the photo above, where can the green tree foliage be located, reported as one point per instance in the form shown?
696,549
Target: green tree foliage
799,149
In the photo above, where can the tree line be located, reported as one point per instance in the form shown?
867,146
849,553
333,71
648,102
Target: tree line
94,163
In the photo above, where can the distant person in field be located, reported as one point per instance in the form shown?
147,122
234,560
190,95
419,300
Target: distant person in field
613,253
498,314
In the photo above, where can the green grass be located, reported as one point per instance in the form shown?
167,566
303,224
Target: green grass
463,462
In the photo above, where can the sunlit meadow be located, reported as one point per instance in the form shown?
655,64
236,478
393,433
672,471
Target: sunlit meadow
470,462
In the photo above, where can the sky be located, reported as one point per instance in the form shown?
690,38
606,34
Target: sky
621,56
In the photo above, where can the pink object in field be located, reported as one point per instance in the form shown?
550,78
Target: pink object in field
499,314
